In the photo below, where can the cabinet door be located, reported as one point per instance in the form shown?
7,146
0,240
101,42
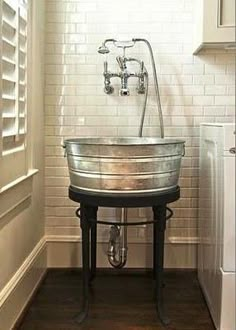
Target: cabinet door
226,18
214,24
210,217
219,21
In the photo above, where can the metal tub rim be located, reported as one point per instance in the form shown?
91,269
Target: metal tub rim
123,141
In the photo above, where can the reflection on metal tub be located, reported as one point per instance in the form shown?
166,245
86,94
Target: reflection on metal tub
124,165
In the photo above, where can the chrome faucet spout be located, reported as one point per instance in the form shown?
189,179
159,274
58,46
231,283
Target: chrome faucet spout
121,60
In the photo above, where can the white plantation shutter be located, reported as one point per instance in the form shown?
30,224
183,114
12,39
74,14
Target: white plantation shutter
13,91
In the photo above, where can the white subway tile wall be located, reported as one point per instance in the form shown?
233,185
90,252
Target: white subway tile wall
193,89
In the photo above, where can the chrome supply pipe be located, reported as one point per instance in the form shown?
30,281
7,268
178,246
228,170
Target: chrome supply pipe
145,76
118,235
117,246
155,82
140,134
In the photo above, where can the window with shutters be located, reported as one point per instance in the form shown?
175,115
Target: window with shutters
13,90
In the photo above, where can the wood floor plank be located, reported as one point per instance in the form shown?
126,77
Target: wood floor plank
118,300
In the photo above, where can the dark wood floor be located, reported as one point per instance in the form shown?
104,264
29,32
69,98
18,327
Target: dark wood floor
121,301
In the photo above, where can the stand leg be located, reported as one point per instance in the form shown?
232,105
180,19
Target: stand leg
93,245
159,228
154,250
85,267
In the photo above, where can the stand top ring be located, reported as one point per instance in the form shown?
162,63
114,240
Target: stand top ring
124,200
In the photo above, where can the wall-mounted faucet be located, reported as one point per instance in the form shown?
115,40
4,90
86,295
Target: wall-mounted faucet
103,49
124,74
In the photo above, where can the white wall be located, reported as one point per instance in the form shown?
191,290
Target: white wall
22,244
193,89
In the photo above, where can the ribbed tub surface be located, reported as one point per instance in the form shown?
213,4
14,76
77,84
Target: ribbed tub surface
124,165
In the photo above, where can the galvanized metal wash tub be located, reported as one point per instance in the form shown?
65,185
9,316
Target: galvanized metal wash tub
124,165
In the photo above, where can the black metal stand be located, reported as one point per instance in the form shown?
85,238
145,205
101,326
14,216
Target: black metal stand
89,203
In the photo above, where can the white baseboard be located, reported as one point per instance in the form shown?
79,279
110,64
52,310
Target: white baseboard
19,290
63,251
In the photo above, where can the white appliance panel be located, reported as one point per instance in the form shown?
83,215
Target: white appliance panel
227,312
216,225
228,258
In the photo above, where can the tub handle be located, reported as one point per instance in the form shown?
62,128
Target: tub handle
64,147
232,150
183,152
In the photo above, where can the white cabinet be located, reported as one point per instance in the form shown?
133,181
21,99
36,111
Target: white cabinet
214,24
216,223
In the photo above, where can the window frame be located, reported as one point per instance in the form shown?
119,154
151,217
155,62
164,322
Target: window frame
15,163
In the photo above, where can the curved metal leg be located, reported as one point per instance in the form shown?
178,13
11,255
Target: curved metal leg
159,232
154,270
93,245
84,224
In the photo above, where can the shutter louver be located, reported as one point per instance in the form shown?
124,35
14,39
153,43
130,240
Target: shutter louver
13,71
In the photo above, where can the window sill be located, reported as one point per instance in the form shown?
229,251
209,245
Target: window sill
14,183
15,193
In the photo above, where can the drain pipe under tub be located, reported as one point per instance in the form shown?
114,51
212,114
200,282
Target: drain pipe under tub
117,246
